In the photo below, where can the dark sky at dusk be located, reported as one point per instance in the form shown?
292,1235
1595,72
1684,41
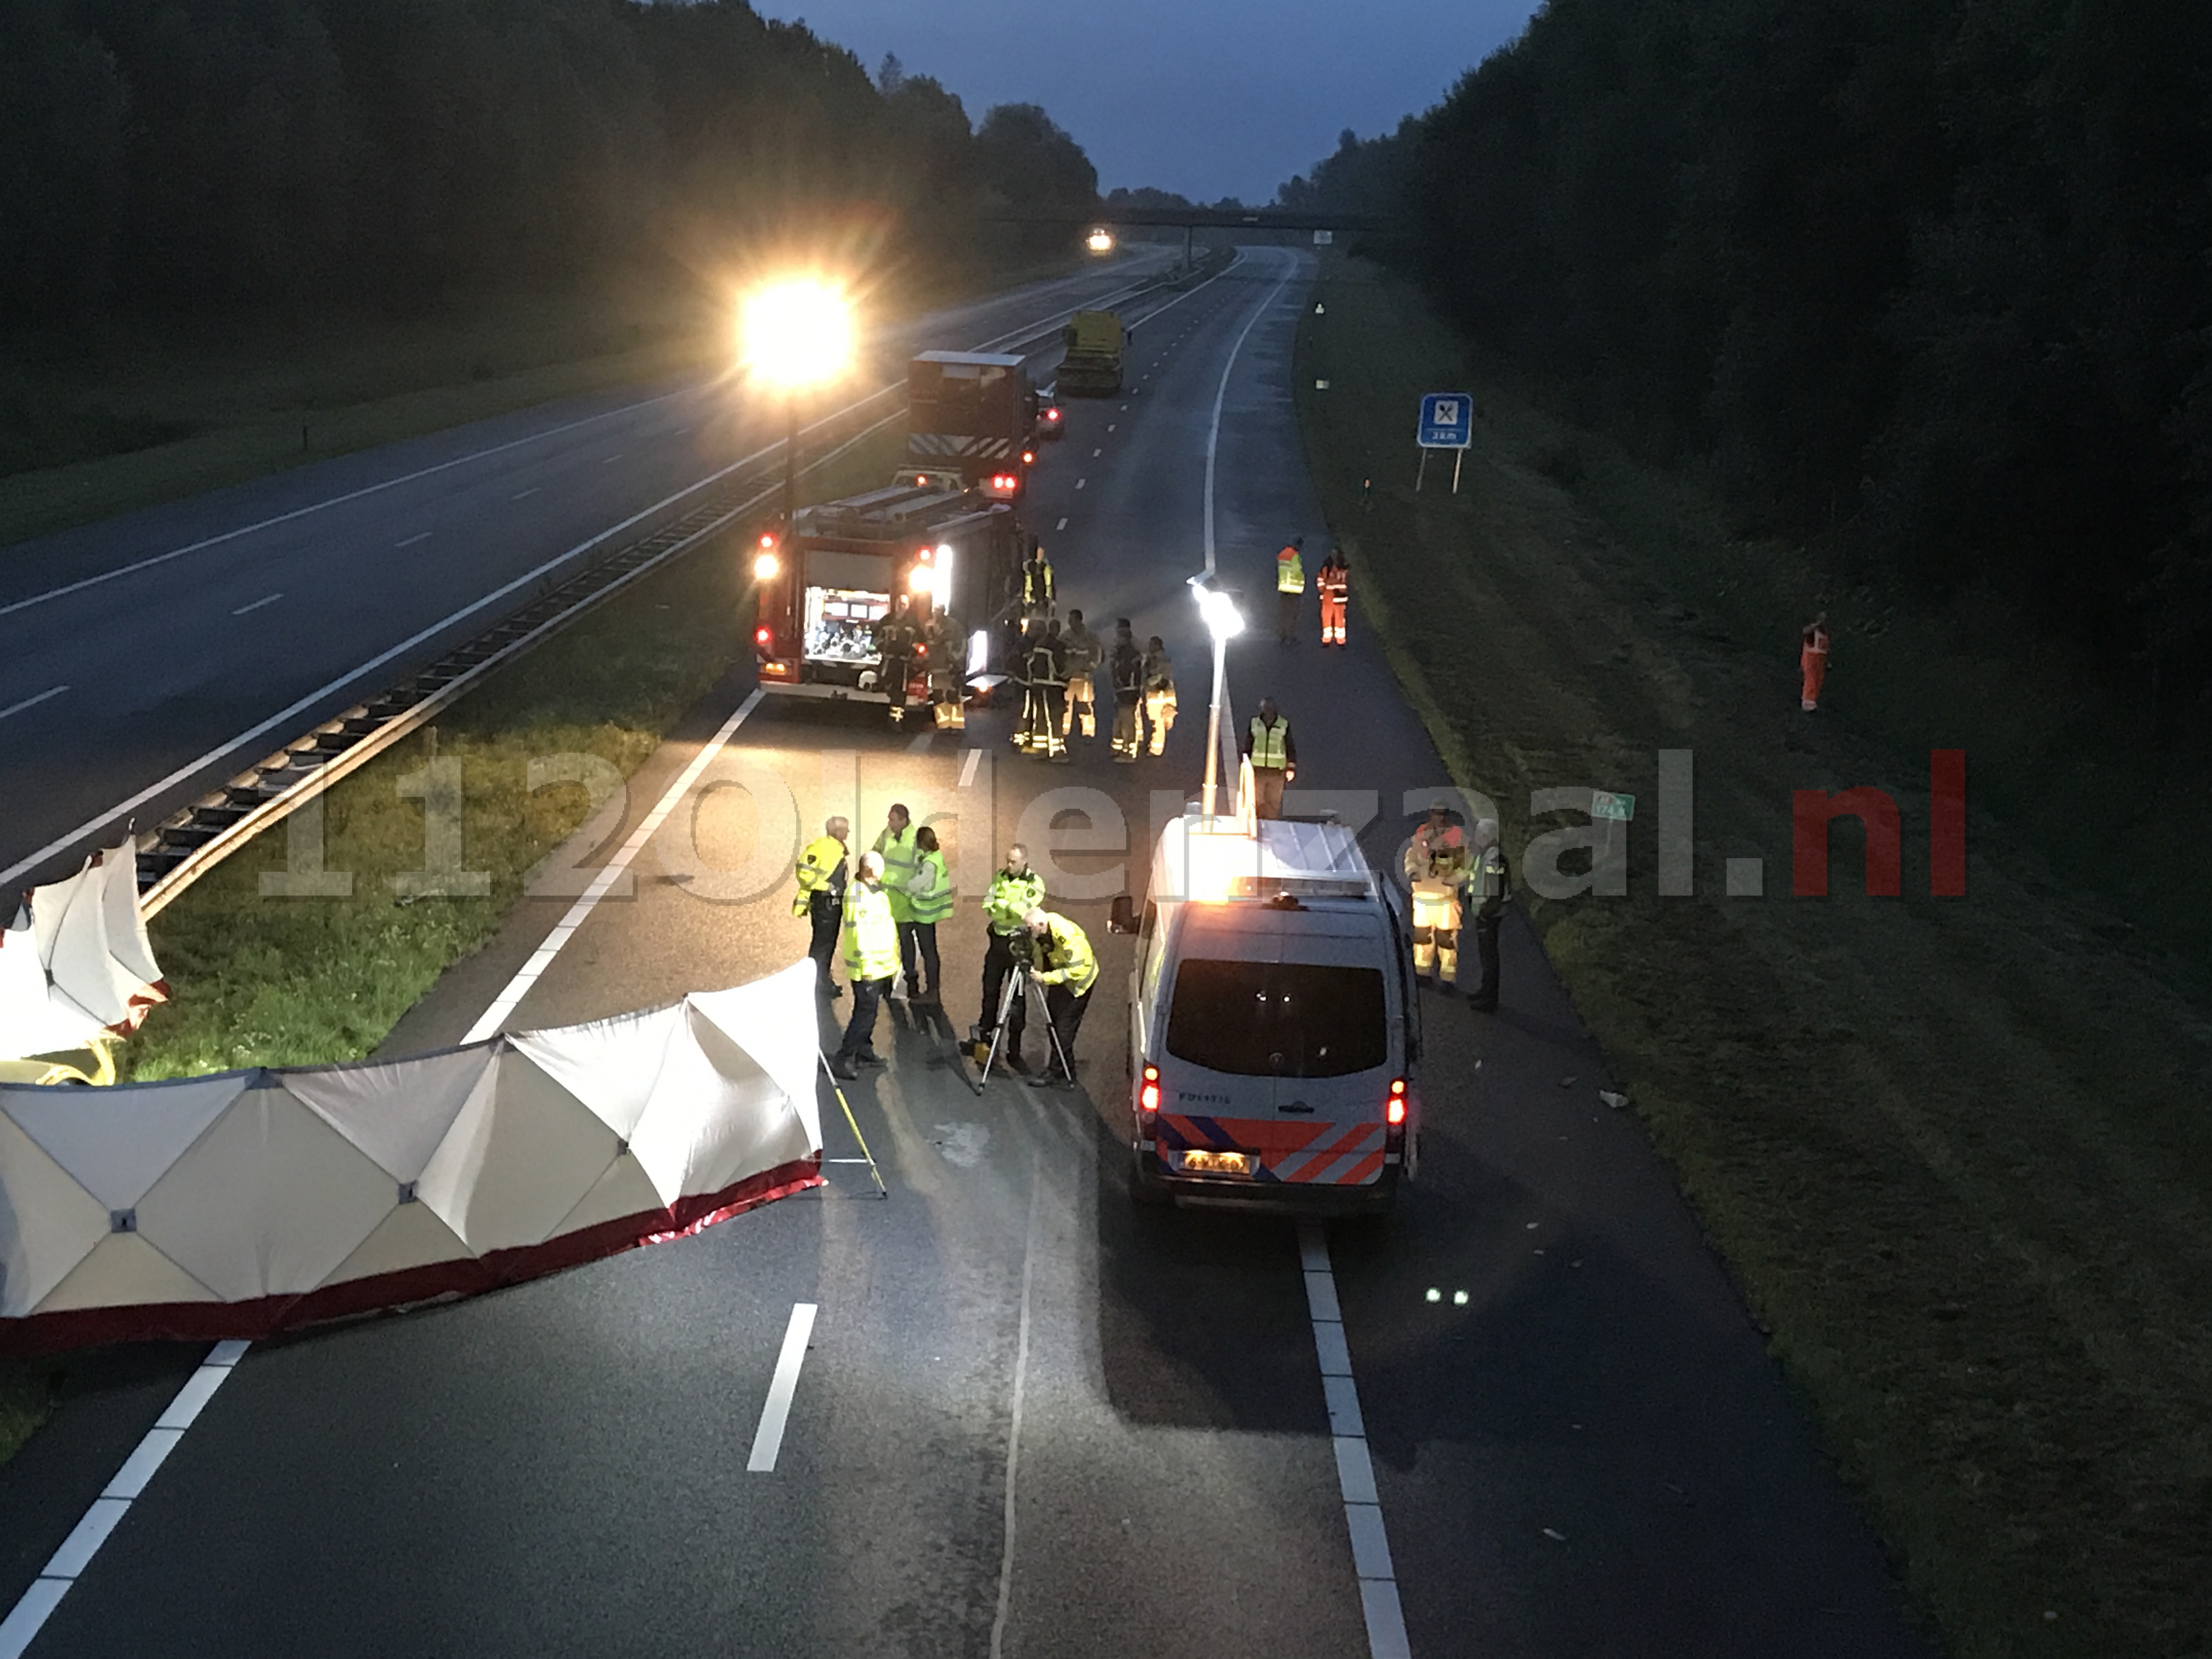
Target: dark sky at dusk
1211,98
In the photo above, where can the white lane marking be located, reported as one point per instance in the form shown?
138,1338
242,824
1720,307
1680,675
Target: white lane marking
520,494
1079,483
410,541
31,703
1221,393
611,459
266,598
283,717
975,759
540,959
677,432
148,563
1021,1394
920,745
768,1440
1110,425
1095,453
1355,1469
67,1563
1061,526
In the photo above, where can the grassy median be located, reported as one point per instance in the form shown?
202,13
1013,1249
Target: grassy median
1955,1150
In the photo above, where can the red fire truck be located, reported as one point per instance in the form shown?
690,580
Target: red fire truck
823,588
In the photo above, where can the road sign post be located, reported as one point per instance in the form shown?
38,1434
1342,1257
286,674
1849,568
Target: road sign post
1447,423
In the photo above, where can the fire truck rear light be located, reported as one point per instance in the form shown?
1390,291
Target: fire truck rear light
1028,455
761,636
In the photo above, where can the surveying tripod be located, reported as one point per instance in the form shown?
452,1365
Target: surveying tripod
1017,984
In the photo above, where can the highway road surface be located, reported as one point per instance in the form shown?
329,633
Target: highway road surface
135,655
1528,1416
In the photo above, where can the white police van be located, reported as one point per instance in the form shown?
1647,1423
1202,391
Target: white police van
1273,1029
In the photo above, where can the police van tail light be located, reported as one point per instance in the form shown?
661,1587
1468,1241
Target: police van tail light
1395,1113
1148,1097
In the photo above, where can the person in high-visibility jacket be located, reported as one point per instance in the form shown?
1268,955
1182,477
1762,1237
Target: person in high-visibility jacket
1273,753
1015,891
1333,581
870,960
1436,865
896,846
1067,967
1160,694
928,902
1813,660
1489,890
821,897
1290,588
1036,583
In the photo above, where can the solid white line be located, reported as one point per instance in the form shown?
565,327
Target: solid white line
31,703
266,598
505,1003
968,768
137,565
1021,1394
67,1565
1355,1470
1213,431
768,1439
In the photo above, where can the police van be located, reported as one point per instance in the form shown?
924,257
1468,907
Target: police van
1273,1029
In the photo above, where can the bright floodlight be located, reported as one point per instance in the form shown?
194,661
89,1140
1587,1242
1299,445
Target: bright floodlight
1219,611
797,333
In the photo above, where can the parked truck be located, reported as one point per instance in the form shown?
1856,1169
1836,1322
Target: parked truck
972,413
1093,365
823,587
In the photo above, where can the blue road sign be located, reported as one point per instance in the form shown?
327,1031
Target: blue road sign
1447,420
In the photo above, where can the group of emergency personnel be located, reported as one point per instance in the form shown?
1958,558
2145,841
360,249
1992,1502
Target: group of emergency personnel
1059,667
1452,878
935,643
1333,580
883,912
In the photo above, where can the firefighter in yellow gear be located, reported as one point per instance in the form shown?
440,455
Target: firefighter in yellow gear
1435,867
1159,695
1036,583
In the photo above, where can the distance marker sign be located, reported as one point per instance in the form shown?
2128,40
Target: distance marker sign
1447,420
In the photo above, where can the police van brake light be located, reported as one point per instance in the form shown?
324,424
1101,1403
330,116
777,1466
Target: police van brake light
1148,1097
1395,1115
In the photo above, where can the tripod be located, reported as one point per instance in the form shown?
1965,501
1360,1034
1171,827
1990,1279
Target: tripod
1017,984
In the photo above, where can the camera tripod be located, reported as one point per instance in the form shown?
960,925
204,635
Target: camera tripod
1017,984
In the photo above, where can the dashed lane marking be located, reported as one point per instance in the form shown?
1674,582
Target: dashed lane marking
248,610
975,758
520,494
410,541
1061,526
31,703
768,1439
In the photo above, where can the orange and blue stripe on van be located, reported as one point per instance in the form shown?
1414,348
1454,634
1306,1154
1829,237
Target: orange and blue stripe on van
1313,1154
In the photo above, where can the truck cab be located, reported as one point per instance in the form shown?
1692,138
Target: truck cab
1274,1034
823,588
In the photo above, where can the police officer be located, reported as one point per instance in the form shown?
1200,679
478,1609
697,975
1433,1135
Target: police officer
1489,890
1067,967
821,897
896,639
1079,657
1015,891
1125,668
870,960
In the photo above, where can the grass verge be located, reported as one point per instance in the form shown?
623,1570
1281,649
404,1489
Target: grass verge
1953,1149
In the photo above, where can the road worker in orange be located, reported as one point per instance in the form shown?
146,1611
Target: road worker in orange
1436,869
1812,658
1333,581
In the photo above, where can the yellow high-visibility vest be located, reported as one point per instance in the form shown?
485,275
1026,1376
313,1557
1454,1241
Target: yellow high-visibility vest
1270,742
871,935
1290,572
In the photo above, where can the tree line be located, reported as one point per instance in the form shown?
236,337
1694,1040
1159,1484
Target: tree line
1927,280
190,157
